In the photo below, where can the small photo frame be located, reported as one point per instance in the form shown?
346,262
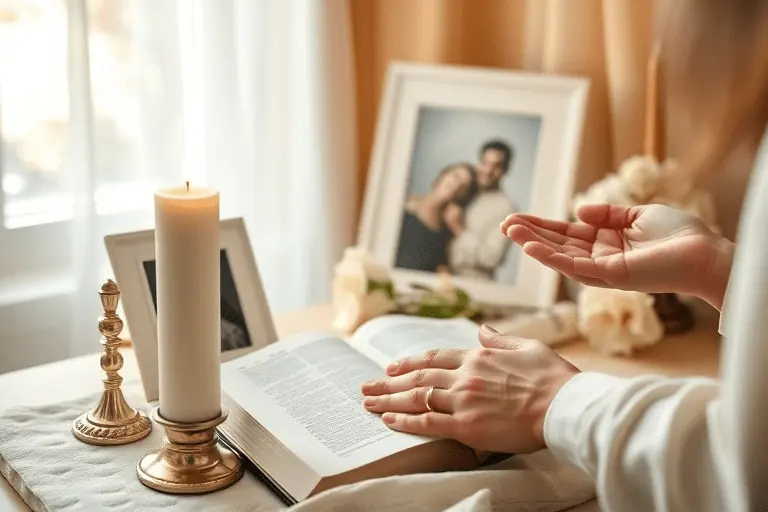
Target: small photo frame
246,320
457,149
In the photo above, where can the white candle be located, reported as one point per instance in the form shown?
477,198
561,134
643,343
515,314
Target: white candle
188,303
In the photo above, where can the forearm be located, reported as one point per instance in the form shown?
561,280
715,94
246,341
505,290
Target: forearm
650,442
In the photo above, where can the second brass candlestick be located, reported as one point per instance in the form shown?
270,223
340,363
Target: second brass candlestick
112,421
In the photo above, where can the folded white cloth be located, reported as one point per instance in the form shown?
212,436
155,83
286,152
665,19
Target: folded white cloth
552,326
536,482
52,471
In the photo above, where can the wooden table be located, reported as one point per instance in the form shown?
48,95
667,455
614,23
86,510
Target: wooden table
694,353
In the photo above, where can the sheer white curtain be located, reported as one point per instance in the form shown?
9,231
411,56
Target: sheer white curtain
253,97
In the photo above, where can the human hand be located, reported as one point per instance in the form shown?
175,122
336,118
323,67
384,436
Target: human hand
453,216
491,399
652,249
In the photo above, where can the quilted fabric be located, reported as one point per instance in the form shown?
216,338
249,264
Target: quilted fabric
53,471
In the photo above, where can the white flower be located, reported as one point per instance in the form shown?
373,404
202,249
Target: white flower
610,190
618,322
641,180
361,290
351,311
357,259
641,176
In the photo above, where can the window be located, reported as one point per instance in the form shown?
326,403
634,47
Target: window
72,79
35,105
103,101
74,76
37,97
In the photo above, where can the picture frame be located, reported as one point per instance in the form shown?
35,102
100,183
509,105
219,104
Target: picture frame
433,117
247,323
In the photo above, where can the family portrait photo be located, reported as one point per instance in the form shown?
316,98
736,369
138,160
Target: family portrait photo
469,170
458,149
234,330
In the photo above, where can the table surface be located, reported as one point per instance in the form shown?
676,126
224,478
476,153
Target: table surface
694,353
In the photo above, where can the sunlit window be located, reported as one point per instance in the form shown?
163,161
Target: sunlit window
37,97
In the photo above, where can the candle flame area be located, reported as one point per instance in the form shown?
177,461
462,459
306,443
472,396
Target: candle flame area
187,186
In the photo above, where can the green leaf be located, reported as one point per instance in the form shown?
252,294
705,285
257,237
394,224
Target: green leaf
463,300
385,286
433,304
436,311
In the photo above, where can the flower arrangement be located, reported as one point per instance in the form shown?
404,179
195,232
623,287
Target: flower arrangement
616,321
363,289
643,180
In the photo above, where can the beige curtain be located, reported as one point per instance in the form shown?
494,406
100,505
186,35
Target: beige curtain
607,40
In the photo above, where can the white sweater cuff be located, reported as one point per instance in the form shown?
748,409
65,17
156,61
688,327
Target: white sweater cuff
563,424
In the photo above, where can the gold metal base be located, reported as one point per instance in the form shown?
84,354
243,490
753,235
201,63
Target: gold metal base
190,461
111,422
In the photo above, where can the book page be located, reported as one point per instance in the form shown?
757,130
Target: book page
392,337
306,392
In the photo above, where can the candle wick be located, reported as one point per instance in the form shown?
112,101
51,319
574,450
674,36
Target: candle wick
187,186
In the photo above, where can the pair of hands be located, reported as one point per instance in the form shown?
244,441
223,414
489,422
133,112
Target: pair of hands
495,398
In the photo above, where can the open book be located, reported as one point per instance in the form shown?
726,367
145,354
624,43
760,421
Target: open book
296,413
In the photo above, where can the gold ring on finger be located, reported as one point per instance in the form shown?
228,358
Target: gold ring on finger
428,396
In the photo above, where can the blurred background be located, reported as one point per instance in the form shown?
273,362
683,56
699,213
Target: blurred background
273,102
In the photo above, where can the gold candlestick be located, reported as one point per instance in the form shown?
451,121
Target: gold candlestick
112,421
190,461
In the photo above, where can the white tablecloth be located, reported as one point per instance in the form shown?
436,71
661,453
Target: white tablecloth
54,472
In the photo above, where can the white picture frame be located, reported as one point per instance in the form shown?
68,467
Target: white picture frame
551,106
133,254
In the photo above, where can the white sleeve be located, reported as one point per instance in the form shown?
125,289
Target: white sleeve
648,442
654,443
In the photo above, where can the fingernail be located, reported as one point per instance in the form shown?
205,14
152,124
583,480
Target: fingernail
367,386
388,418
392,368
488,329
370,401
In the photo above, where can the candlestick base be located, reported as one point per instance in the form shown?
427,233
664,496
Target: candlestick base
112,421
190,461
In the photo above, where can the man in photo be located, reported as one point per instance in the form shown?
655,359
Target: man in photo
478,246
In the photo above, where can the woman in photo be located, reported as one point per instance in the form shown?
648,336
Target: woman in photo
425,235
